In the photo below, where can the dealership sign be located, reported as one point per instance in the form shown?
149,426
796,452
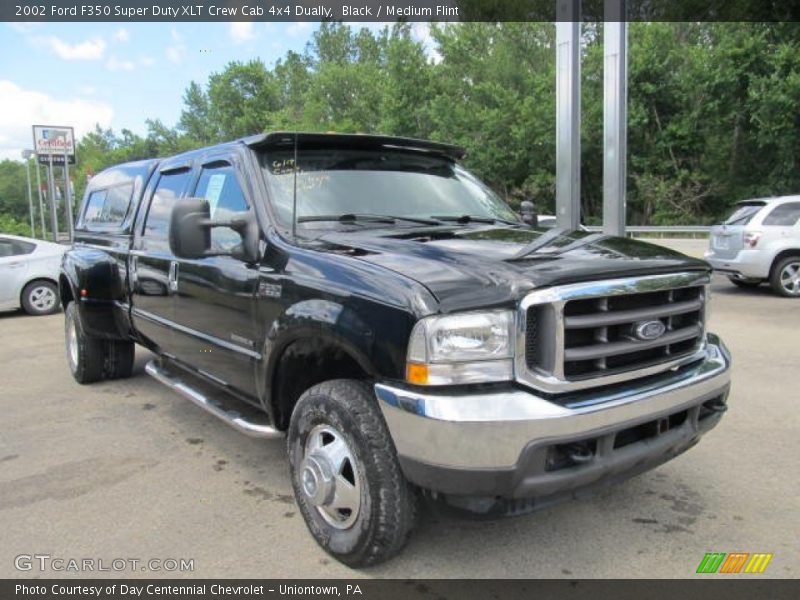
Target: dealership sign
53,143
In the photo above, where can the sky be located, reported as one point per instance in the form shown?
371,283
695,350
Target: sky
120,74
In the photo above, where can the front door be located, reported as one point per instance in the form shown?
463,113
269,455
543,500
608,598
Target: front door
215,296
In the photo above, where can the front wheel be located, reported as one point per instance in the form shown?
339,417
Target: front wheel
785,279
345,474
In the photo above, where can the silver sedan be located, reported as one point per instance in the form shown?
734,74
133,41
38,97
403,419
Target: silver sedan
29,274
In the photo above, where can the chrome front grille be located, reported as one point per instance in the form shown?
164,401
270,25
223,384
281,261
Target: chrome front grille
585,335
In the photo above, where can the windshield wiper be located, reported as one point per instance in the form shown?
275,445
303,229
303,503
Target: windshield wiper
365,218
346,218
464,219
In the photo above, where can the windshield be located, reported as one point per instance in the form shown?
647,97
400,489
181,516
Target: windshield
376,182
743,214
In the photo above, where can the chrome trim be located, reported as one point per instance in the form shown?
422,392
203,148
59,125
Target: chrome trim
490,430
558,296
232,418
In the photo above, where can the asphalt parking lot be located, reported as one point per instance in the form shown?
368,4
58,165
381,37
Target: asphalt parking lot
128,469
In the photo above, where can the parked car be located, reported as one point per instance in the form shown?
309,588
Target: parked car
378,305
760,242
29,274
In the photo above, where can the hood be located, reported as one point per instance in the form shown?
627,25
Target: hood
471,267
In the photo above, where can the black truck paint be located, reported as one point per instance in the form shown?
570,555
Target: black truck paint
334,303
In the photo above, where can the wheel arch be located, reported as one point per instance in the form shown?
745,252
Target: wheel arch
782,255
65,290
92,279
308,357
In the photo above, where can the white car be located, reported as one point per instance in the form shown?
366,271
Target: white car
29,274
760,242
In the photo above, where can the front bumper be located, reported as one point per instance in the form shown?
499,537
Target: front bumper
750,264
515,443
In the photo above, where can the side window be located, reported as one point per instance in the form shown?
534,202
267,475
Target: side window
156,226
6,248
21,247
118,201
218,185
784,215
107,208
15,248
94,206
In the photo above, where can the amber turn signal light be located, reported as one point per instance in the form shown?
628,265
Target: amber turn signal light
417,373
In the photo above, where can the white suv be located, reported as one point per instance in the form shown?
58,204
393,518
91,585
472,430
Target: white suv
760,242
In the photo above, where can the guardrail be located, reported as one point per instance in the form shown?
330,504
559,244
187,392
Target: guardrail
662,230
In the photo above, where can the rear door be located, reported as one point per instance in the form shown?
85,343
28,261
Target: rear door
215,296
727,239
14,264
152,265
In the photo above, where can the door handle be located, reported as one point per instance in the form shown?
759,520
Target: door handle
16,265
133,274
173,276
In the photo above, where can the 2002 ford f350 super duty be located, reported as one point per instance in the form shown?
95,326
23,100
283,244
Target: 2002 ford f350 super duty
409,334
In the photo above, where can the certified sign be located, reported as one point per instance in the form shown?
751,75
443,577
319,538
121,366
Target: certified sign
52,141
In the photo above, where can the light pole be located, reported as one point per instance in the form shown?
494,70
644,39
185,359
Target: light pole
26,156
39,189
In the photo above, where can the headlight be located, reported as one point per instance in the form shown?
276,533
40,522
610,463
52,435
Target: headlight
463,348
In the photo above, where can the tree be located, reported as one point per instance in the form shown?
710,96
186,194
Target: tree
195,120
13,191
713,109
242,98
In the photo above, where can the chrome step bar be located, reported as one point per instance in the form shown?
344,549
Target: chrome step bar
248,425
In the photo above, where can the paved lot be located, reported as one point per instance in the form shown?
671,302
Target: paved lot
128,469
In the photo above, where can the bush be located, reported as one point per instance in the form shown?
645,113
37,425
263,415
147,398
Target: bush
12,226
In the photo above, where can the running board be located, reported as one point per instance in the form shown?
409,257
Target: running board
254,423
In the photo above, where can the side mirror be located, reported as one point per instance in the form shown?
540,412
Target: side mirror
190,231
528,211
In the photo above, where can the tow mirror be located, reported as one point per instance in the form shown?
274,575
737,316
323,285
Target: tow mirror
190,231
528,212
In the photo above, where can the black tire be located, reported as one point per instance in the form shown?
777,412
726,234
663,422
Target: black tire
777,277
119,359
745,283
40,297
86,356
388,504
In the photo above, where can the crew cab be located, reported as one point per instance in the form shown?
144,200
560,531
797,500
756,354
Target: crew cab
379,306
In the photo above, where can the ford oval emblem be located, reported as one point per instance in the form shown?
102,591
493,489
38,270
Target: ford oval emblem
649,330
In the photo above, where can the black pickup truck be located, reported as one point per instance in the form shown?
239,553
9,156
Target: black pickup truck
409,334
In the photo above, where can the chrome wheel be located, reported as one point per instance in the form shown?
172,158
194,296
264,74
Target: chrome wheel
790,278
72,341
42,298
330,478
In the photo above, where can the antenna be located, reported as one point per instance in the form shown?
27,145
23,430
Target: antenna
294,190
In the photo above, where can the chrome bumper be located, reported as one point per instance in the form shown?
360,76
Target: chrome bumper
491,430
